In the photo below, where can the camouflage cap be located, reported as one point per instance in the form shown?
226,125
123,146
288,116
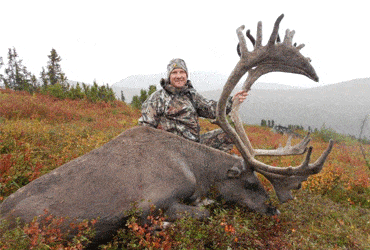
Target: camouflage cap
176,63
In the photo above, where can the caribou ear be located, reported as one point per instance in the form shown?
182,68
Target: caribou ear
233,172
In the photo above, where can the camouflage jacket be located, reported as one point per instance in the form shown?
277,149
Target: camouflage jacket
177,110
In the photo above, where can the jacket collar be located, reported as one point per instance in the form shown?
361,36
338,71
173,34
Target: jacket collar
172,90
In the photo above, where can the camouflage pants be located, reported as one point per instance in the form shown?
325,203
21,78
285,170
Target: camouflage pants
217,139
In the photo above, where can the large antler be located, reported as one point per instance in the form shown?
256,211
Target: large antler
253,75
273,57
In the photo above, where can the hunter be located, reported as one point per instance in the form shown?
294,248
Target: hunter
177,107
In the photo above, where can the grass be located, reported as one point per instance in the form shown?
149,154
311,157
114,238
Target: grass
38,133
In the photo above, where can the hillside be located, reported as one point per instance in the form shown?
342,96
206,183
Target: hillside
39,133
202,81
341,106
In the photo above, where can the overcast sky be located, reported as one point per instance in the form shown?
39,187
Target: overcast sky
111,40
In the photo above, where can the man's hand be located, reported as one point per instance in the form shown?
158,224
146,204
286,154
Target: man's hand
242,95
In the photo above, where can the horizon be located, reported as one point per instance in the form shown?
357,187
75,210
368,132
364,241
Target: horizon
159,75
115,39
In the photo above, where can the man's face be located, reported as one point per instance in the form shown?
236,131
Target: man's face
178,78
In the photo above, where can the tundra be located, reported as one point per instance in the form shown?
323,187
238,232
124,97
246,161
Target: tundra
148,166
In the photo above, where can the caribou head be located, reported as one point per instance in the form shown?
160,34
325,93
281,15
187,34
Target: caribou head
275,56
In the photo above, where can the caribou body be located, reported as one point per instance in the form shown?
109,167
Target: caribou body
147,166
143,165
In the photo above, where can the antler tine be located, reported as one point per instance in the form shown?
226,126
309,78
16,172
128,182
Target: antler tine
289,141
242,43
297,149
275,31
304,169
259,35
306,161
319,163
251,38
286,179
288,39
301,46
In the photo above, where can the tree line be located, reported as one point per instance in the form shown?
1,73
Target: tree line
52,80
271,124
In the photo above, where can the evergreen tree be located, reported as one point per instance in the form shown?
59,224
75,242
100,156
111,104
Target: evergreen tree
92,94
53,73
143,96
75,92
85,88
16,75
43,77
152,89
96,92
106,93
34,83
137,101
263,123
122,96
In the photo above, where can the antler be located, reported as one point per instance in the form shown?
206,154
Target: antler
253,75
274,57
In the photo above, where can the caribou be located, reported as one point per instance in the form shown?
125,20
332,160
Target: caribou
150,167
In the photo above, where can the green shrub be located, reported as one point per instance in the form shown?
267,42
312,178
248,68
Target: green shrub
55,90
326,134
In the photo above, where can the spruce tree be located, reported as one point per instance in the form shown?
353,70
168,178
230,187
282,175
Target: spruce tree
152,89
137,101
53,73
16,75
143,96
43,77
263,123
34,83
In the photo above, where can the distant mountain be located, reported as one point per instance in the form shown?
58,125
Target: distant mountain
202,81
340,106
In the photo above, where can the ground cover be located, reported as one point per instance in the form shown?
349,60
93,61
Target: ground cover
38,133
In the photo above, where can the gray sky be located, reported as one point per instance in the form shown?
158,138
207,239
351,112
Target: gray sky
110,40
